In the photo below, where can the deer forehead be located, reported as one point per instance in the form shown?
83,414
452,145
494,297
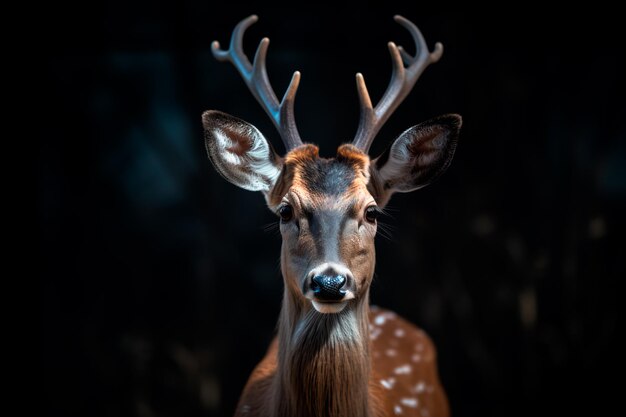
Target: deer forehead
324,183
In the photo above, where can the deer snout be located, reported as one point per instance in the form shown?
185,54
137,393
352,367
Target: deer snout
328,287
329,284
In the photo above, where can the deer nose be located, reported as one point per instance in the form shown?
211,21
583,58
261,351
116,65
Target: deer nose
328,287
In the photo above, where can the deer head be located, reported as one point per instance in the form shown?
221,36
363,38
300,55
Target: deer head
328,208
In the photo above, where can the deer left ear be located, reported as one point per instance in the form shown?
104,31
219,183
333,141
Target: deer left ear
416,158
240,152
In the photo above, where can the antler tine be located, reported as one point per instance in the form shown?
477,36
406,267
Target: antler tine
255,76
402,81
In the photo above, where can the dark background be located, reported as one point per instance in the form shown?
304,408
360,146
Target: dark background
161,283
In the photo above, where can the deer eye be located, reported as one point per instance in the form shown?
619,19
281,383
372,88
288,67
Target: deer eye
285,212
372,213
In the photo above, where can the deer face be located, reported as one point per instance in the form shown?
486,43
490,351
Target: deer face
328,225
327,208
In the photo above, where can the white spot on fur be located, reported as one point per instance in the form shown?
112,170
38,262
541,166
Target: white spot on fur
383,317
245,408
416,358
410,402
399,333
375,332
403,370
420,387
391,353
397,409
388,383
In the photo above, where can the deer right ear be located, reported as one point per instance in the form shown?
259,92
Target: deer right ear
239,152
416,158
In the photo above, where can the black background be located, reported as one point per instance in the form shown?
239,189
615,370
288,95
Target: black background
161,281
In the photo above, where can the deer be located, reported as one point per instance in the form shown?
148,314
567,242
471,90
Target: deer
334,355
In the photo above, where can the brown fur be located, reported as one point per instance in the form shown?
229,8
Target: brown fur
263,388
335,359
325,361
337,365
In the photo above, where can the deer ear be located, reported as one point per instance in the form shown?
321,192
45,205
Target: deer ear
240,152
416,158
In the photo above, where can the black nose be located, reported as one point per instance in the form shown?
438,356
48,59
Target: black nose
328,288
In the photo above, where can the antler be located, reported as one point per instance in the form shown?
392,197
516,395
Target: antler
402,81
255,76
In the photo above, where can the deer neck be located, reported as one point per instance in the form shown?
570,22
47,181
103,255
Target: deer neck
324,363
